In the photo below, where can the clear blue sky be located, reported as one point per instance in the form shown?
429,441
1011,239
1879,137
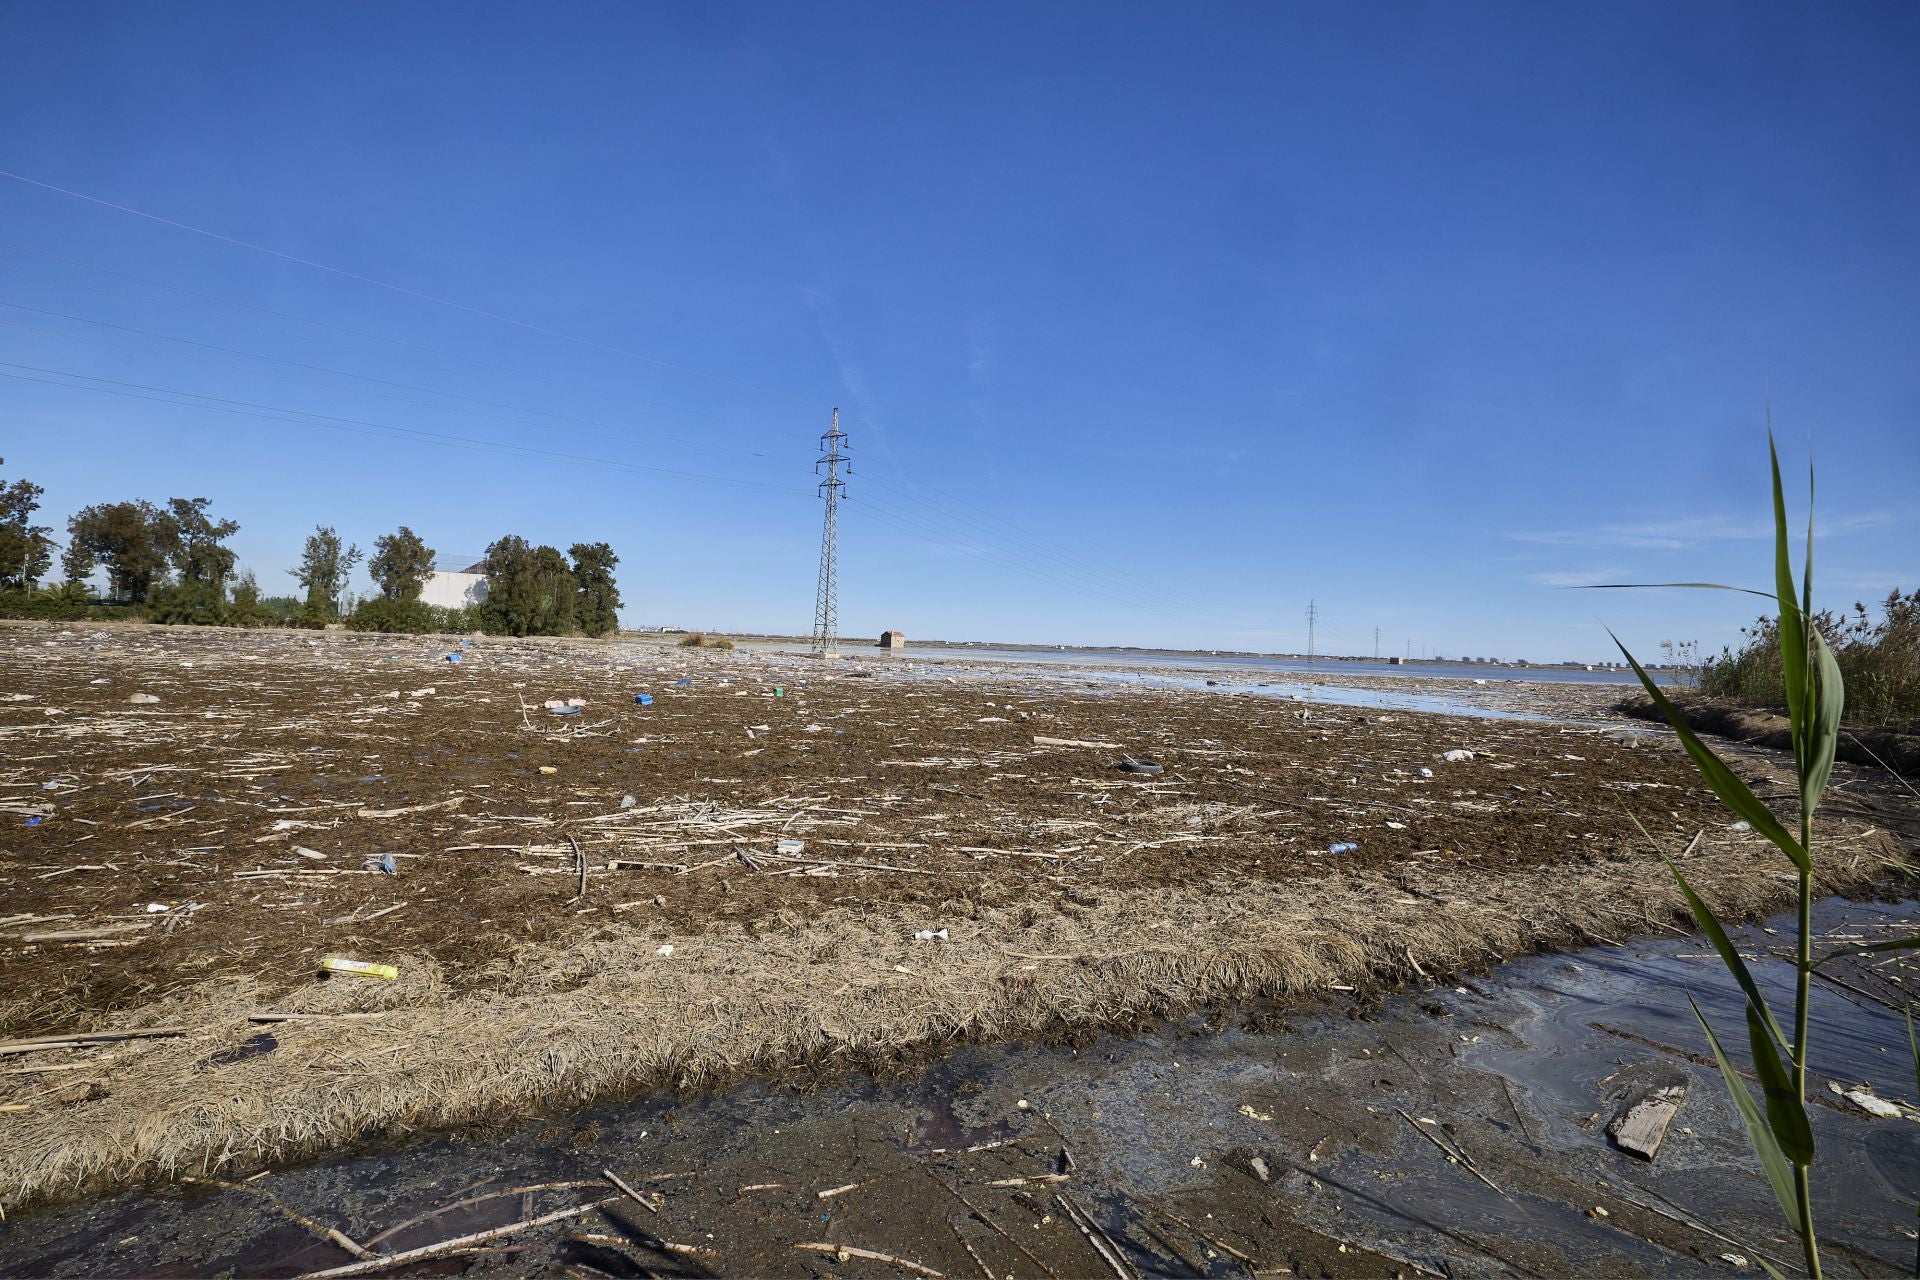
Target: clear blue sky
1148,323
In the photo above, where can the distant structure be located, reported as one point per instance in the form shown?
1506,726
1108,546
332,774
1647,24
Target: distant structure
826,600
456,588
1396,661
893,639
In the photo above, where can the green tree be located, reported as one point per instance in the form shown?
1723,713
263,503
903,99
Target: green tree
597,601
401,564
554,591
325,567
510,607
193,542
128,539
26,553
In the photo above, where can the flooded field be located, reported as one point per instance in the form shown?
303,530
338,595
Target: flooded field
1456,1130
773,871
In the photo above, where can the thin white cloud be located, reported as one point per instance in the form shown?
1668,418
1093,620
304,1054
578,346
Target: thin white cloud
1695,531
1576,577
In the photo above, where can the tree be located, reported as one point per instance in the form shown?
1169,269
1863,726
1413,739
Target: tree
509,608
597,602
129,539
401,564
26,553
324,570
193,541
554,590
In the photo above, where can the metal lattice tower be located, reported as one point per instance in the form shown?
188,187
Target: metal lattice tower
826,601
1313,616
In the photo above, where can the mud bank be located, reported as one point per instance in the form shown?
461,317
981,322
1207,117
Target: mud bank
1459,1129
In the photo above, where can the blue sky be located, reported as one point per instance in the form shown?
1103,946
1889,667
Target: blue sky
1148,324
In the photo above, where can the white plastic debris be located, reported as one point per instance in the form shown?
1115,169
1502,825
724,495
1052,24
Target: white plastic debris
143,699
1457,755
666,949
931,935
627,802
1425,772
1871,1105
789,846
154,908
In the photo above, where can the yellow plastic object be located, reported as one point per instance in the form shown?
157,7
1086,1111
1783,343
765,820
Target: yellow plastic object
364,968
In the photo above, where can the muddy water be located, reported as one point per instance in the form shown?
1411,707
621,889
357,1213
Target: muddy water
1154,1136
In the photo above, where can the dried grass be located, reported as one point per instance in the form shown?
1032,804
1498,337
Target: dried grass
561,1027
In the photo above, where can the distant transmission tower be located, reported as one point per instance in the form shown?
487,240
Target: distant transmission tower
826,601
1313,616
1376,644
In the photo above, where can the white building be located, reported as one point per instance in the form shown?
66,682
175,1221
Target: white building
458,590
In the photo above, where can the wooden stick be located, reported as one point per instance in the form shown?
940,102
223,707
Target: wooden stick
635,1196
318,1228
1099,1243
430,1214
990,1224
1217,1243
985,1270
643,1239
382,1263
84,1038
1458,1155
580,861
821,1246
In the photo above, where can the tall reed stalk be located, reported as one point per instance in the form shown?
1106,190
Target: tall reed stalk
1815,695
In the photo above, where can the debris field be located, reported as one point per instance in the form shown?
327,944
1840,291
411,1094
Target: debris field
773,863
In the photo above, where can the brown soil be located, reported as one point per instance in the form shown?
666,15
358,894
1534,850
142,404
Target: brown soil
1872,748
1072,894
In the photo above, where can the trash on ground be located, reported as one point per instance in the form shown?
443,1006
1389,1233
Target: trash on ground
143,699
548,770
644,699
627,802
932,935
1147,768
563,711
1425,772
1865,1100
1641,1126
1343,846
453,658
789,845
365,968
1456,755
684,682
666,949
381,862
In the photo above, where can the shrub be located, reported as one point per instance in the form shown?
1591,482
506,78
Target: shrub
383,614
1878,659
700,640
67,603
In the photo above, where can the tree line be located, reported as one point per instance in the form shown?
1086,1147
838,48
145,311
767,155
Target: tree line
171,564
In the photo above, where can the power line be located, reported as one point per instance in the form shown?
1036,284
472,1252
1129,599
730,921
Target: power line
826,606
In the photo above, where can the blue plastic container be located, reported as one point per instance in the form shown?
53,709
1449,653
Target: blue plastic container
644,699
